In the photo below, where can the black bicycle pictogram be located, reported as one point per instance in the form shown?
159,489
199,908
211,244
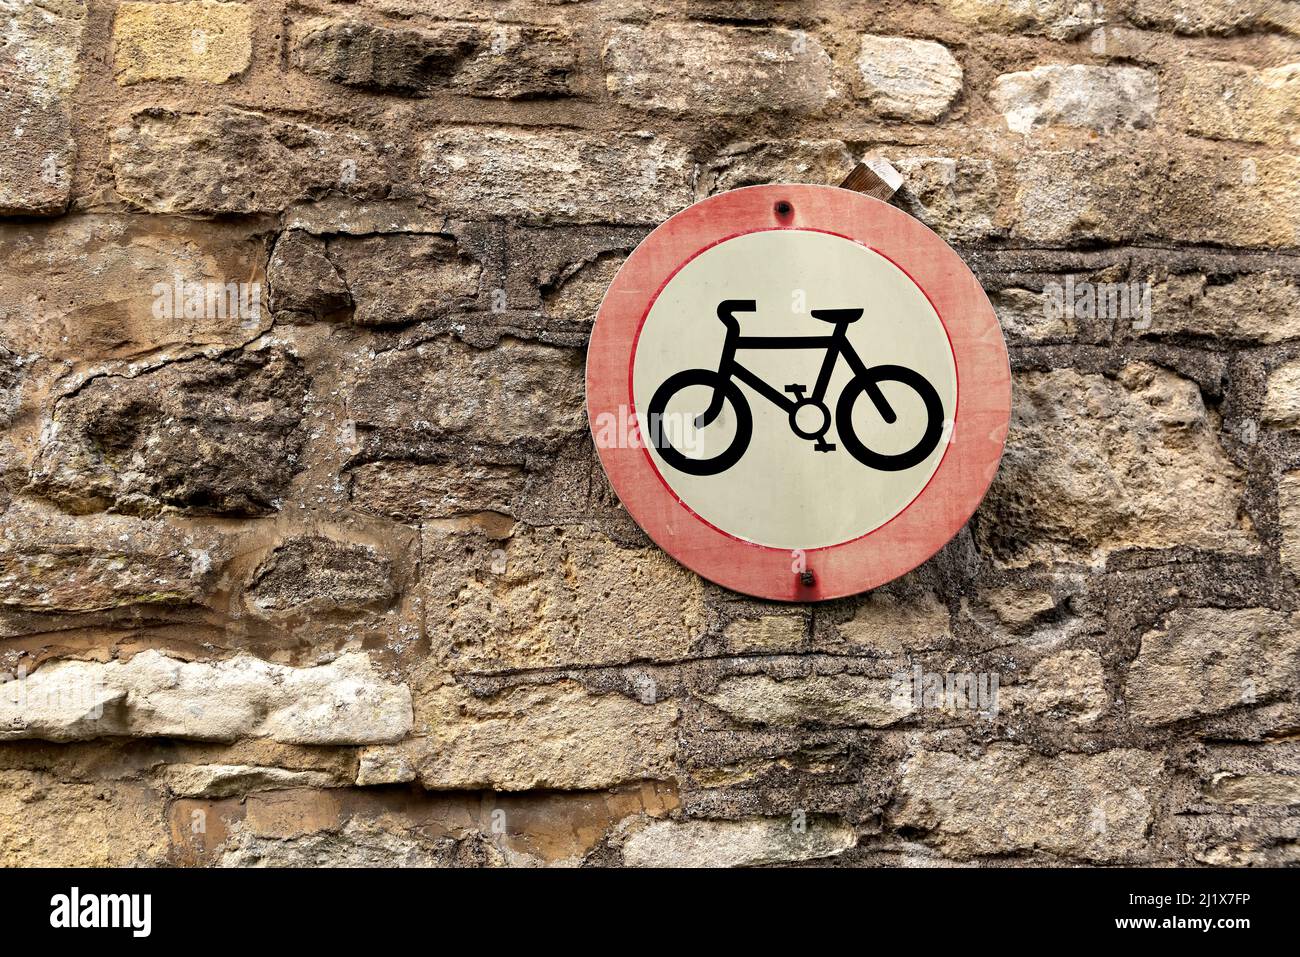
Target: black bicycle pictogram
865,381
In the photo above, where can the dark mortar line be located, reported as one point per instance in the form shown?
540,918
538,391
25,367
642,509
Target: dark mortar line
789,657
1119,249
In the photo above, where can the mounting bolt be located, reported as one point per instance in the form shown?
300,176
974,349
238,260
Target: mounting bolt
806,578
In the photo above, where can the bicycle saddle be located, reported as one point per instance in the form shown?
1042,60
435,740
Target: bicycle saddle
837,316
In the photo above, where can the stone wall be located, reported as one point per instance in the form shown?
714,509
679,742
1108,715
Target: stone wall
321,568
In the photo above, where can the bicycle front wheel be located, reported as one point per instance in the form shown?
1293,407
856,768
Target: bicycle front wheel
869,383
680,425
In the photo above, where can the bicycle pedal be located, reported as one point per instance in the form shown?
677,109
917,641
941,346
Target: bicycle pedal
796,390
824,446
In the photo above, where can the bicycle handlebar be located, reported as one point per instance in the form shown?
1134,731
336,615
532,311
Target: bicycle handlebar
729,306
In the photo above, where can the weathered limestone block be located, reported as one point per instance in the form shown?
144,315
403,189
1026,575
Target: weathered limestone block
1069,685
900,78
556,269
889,623
305,283
57,563
1095,464
957,197
1258,307
1288,507
356,53
1058,19
206,436
393,279
1184,190
236,161
1254,789
553,597
834,700
720,70
557,736
745,843
1095,807
314,827
555,176
1066,196
385,764
47,822
520,62
1025,314
337,826
517,393
503,61
824,162
1215,17
772,634
346,826
411,491
333,214
1238,102
542,829
202,41
289,814
577,296
357,844
1019,608
1241,840
311,574
1282,396
1101,98
38,72
344,702
1258,773
92,287
370,280
1208,660
236,780
12,374
1211,197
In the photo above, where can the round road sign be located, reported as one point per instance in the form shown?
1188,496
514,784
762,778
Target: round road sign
799,392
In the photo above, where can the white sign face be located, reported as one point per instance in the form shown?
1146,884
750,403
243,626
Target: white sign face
796,388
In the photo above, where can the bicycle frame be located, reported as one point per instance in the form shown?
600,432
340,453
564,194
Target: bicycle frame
836,344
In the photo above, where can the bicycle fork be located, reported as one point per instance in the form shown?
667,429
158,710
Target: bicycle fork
726,310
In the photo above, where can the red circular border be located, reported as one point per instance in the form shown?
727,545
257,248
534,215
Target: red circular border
983,392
